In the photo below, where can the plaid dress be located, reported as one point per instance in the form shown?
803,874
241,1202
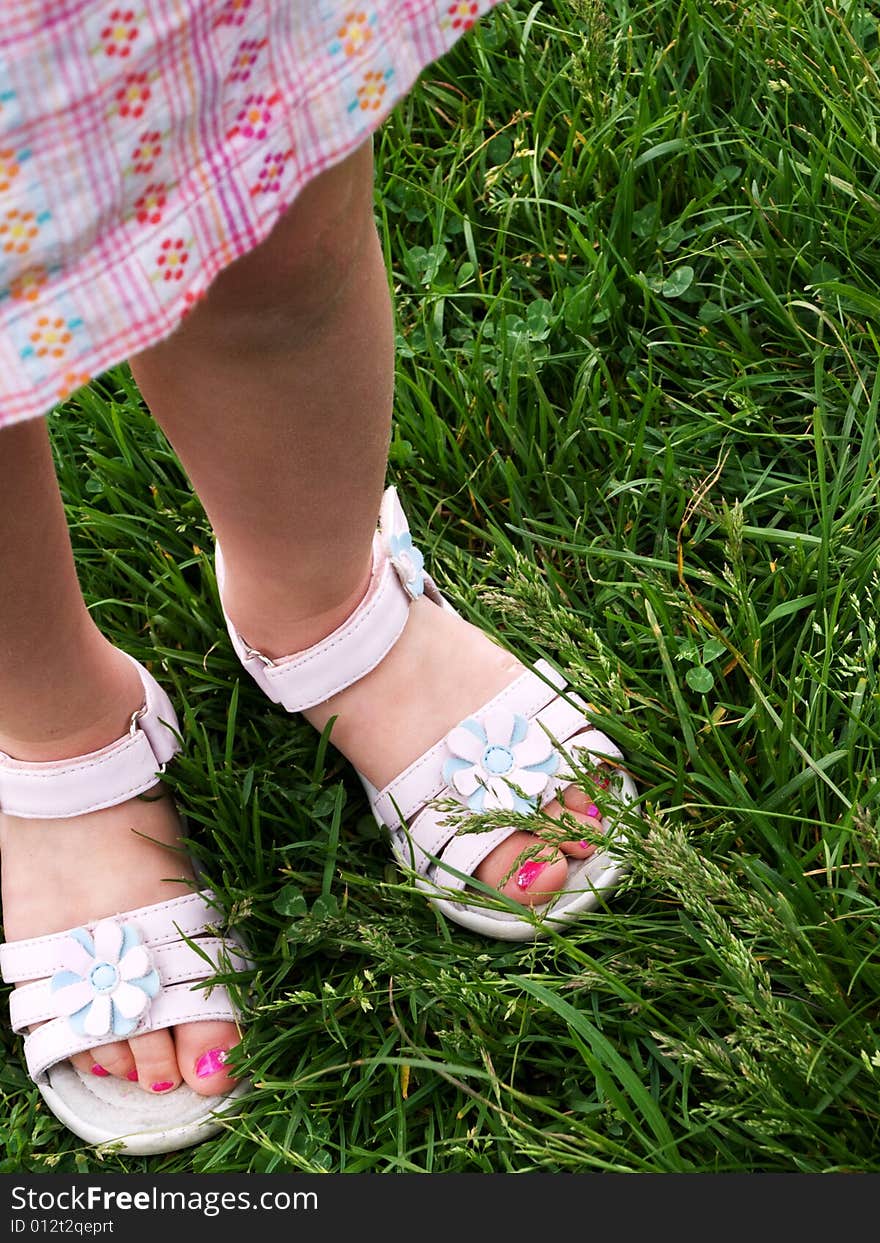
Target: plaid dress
146,144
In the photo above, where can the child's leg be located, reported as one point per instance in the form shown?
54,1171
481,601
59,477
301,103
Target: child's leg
66,691
276,393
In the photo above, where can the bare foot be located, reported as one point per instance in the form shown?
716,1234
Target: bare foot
63,873
440,671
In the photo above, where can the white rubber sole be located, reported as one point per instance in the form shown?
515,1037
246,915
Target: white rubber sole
113,1111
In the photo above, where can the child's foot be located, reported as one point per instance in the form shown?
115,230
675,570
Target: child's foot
63,873
440,671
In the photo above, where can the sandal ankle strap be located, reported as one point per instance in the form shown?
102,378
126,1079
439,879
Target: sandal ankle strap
103,778
354,649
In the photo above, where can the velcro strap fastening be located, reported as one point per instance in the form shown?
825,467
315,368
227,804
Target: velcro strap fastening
104,778
314,675
351,651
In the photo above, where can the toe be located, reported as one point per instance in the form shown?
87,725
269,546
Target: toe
86,1065
155,1061
114,1059
576,800
525,869
202,1049
579,807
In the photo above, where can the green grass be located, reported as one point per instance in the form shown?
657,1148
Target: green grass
634,255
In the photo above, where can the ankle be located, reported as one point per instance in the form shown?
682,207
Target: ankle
279,619
92,706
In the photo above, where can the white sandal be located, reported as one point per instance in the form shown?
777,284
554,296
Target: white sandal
510,756
120,976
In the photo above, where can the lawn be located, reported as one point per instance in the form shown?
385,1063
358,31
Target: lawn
634,250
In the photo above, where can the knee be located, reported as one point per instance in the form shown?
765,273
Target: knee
289,283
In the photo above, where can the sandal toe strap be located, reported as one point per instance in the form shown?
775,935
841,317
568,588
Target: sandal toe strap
55,1041
434,842
588,746
118,977
175,964
533,695
542,736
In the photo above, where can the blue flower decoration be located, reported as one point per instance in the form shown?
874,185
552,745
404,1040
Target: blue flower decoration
503,764
408,562
107,980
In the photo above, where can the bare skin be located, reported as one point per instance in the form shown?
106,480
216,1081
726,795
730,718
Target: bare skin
65,691
278,400
276,392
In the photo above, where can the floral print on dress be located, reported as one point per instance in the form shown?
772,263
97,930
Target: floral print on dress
119,33
370,96
9,109
355,33
462,15
47,342
19,230
146,145
245,59
172,259
269,178
10,166
233,13
255,116
147,151
26,286
132,98
149,207
70,382
190,298
50,336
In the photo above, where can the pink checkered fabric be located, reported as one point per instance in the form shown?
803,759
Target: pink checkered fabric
146,144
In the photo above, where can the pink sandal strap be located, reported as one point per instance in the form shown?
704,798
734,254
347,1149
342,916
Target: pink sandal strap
311,676
424,839
176,964
423,781
529,727
598,749
160,923
465,853
354,649
119,771
510,755
434,833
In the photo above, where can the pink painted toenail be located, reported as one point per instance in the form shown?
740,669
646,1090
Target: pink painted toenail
585,845
211,1062
100,1071
161,1087
602,782
593,811
132,1076
528,873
